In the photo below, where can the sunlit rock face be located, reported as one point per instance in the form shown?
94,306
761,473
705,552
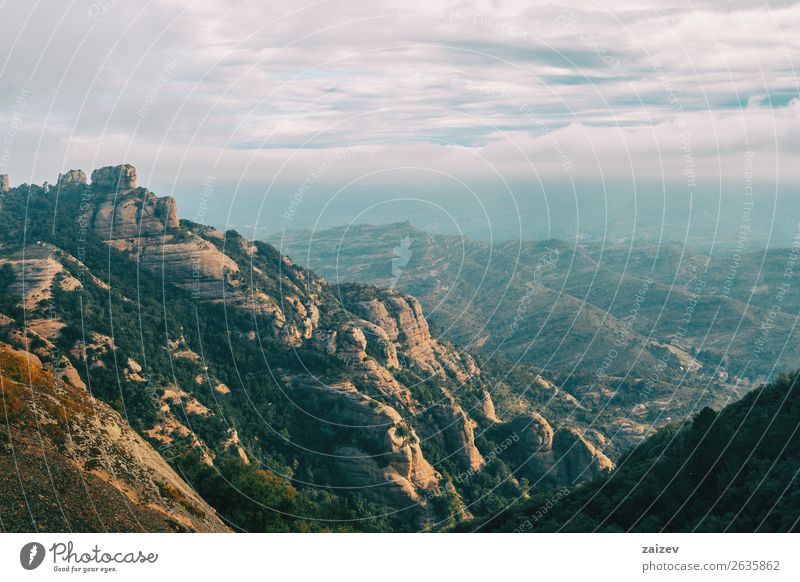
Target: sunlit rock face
122,177
71,178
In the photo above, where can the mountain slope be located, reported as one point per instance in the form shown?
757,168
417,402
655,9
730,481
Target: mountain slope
735,470
70,463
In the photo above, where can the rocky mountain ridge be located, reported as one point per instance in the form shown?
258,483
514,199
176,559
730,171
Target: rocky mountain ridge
372,402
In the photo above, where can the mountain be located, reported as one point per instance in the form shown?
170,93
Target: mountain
734,471
286,402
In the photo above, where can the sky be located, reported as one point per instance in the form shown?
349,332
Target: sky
329,94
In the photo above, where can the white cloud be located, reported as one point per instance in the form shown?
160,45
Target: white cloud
178,88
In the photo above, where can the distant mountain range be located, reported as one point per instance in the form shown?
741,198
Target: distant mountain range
602,309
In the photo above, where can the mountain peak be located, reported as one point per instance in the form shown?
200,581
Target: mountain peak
122,177
72,178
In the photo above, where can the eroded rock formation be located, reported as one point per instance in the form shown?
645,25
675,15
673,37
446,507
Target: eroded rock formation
121,177
71,178
385,458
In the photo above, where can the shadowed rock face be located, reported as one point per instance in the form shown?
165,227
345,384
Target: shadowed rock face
121,177
562,455
4,186
453,428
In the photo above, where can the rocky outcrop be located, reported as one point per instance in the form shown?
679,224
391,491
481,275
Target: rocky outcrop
4,185
138,214
94,351
36,339
37,269
348,344
136,221
398,323
563,456
383,456
71,178
233,446
487,408
578,459
122,177
451,426
169,432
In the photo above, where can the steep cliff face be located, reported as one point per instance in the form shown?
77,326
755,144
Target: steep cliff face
378,451
397,320
71,463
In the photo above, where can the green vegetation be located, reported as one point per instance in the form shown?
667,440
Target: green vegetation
733,470
736,470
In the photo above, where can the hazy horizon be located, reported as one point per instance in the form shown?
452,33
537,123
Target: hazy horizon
440,98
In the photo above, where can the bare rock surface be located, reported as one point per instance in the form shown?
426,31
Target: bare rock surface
122,177
71,178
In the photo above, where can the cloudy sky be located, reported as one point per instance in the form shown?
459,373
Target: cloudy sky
263,91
